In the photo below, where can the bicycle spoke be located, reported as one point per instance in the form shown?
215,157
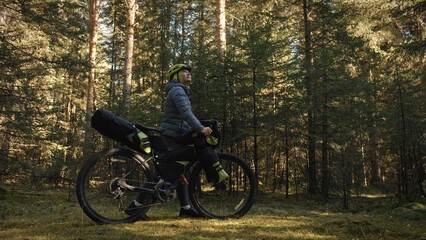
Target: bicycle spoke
231,198
105,183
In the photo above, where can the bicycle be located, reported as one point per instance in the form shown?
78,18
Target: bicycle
111,179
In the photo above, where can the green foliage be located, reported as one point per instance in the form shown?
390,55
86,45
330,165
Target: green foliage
40,64
367,77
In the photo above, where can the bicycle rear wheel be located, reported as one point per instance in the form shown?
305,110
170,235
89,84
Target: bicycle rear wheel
100,189
232,198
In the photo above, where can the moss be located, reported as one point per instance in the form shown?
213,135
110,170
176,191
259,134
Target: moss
49,214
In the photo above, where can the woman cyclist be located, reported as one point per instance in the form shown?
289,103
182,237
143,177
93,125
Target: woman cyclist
179,129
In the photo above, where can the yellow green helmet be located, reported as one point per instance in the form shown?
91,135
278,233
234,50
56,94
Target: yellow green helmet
176,68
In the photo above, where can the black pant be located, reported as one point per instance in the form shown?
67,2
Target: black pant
178,149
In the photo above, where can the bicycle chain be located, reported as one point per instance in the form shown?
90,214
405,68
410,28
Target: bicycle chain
153,204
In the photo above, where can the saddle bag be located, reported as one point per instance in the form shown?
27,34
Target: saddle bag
120,130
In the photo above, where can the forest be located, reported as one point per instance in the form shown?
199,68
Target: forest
321,97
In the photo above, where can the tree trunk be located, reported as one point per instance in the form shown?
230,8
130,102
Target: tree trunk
324,163
312,178
405,174
276,162
165,55
115,53
220,14
287,171
420,169
221,26
255,156
93,23
345,181
130,32
372,156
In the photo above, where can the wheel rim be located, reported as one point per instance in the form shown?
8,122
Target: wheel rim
231,198
106,200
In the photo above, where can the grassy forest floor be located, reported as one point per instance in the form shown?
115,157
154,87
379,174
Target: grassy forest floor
55,214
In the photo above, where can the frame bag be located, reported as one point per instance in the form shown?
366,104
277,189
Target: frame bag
120,130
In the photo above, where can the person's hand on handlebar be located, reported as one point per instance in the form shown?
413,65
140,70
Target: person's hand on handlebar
206,131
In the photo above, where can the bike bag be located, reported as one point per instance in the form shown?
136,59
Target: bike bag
213,140
121,130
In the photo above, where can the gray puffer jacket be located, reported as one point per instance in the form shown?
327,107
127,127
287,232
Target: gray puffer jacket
178,118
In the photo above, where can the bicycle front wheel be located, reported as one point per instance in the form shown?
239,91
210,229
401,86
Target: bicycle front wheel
232,198
102,186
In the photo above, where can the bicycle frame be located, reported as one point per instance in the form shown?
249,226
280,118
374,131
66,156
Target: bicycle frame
170,187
